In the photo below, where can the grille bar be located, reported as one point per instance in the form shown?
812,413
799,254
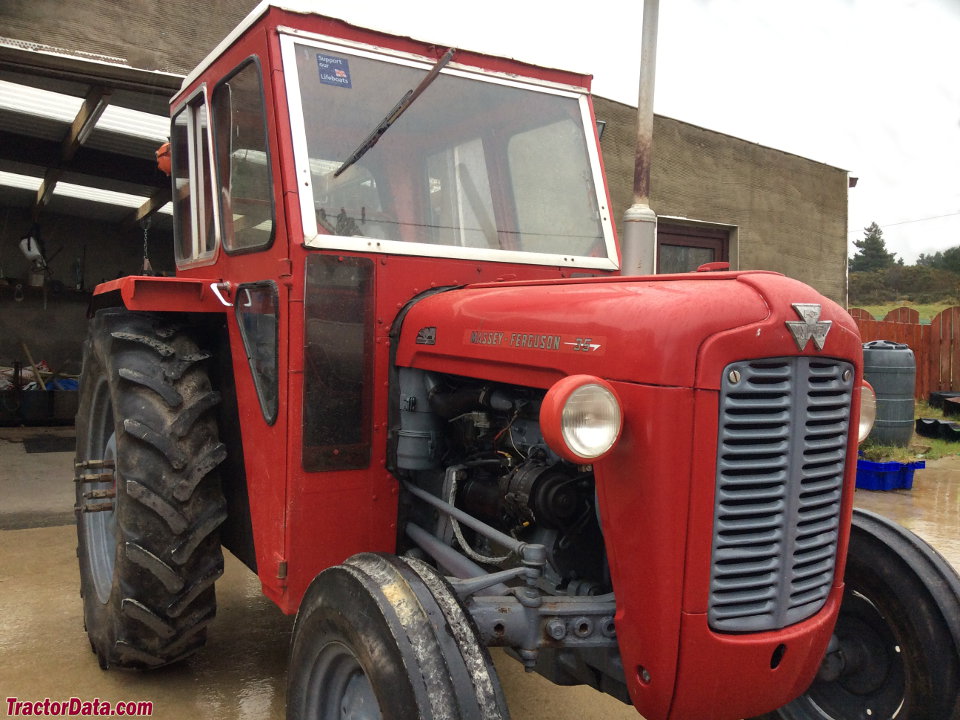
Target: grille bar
780,464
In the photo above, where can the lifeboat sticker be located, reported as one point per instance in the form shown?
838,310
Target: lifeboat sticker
334,70
536,341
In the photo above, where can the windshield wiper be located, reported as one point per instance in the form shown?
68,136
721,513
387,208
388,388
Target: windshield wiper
398,110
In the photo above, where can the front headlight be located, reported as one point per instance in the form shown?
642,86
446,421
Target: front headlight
868,410
581,418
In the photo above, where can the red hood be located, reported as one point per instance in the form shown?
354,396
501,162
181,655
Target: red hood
647,330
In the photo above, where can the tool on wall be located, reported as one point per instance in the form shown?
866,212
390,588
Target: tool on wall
31,245
77,269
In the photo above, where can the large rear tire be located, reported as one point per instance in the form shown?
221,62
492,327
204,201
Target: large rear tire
898,633
148,496
384,638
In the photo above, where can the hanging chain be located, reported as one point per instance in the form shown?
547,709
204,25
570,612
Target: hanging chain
145,224
146,231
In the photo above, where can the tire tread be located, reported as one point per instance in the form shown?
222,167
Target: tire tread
169,504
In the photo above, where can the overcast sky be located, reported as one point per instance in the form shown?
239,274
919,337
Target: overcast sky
870,86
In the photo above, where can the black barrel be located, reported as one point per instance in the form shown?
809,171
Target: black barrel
892,371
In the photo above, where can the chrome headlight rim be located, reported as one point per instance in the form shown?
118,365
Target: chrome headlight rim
868,411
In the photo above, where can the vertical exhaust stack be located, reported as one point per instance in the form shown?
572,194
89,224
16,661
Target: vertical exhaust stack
639,243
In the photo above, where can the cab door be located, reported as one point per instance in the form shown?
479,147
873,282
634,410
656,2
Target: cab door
253,269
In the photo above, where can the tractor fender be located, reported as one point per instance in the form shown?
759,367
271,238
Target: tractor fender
159,294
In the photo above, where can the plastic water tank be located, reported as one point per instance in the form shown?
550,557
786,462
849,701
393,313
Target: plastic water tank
892,371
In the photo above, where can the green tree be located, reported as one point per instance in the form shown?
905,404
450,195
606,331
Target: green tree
942,260
935,260
871,251
914,283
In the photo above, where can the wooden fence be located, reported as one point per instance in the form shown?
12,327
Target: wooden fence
936,346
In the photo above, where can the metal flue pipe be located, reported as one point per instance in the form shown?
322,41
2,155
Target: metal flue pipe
639,241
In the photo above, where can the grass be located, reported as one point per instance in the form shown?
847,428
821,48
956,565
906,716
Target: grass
919,448
927,311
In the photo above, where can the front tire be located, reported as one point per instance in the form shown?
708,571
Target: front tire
384,638
148,497
898,633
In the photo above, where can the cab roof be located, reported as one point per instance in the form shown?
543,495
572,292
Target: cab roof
301,15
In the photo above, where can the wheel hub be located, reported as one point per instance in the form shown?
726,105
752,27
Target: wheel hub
359,702
865,676
100,528
340,689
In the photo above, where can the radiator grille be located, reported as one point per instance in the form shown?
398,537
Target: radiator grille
780,463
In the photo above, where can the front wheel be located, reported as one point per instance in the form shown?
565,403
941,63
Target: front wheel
384,638
896,648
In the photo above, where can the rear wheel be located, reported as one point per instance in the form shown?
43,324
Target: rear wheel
384,638
148,497
896,650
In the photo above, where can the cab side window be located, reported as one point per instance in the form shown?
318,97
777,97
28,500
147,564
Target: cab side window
194,217
243,160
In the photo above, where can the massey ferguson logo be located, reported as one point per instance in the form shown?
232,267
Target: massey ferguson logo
810,327
427,336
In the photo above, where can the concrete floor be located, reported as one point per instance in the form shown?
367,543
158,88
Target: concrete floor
241,673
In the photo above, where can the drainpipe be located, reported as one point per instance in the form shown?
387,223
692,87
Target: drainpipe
639,243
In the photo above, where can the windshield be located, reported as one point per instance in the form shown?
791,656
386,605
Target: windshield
484,165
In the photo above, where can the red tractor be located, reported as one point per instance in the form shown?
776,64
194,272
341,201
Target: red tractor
399,375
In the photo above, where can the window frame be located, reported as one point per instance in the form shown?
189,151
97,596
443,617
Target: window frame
289,39
249,60
339,454
189,105
709,237
262,393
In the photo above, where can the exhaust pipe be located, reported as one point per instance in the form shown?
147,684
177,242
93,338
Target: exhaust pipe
639,241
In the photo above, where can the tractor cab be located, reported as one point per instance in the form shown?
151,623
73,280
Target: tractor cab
388,147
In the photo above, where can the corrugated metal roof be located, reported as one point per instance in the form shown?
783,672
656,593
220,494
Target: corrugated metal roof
39,120
46,106
23,182
78,192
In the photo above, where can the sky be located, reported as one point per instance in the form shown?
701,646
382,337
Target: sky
870,86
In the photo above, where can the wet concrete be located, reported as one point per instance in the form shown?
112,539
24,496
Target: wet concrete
931,508
36,488
44,651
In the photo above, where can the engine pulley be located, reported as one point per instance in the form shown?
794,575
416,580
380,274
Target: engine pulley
541,493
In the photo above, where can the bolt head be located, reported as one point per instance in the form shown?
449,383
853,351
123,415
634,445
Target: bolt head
734,377
557,629
583,627
608,628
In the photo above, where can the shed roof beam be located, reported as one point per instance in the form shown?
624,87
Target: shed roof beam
107,168
151,206
86,120
93,106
